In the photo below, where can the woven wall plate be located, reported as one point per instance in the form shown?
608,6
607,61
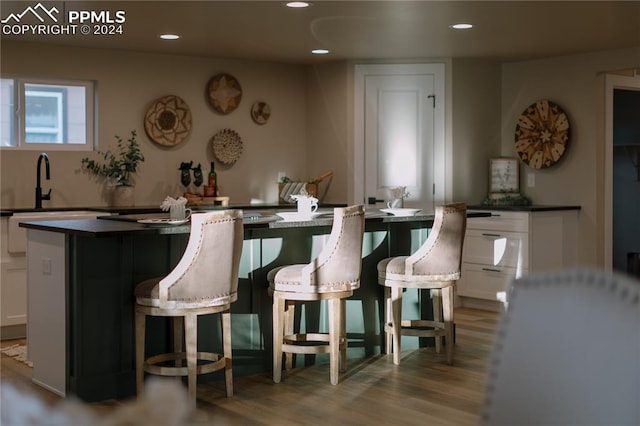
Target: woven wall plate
224,93
168,121
542,134
260,112
227,146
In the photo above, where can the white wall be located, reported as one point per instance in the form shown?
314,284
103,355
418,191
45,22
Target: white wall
476,126
311,127
572,83
472,128
128,83
329,141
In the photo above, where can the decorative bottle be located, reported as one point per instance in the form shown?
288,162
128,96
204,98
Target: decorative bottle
213,180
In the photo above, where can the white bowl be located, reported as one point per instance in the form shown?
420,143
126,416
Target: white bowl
401,212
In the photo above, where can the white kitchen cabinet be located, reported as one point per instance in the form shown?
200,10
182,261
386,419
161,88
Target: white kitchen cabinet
13,272
46,304
512,243
13,288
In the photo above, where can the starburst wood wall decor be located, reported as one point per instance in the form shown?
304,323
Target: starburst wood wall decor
224,93
542,134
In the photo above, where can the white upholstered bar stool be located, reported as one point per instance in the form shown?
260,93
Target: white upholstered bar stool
332,276
205,281
435,266
557,361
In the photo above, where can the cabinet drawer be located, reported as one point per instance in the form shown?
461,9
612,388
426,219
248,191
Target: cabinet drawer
496,248
500,221
485,282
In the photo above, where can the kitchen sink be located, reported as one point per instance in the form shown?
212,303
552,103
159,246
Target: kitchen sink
17,236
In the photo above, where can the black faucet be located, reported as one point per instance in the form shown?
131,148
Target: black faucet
39,195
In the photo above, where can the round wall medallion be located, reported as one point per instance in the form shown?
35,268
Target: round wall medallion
542,134
227,146
224,93
260,112
168,121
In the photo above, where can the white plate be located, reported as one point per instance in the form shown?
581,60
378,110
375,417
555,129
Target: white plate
295,217
401,212
163,222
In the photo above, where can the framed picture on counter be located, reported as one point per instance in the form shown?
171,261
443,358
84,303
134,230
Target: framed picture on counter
504,175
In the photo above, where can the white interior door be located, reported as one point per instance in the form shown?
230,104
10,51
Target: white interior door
399,138
400,129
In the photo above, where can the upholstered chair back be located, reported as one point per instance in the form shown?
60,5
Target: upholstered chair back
208,271
440,256
338,266
567,351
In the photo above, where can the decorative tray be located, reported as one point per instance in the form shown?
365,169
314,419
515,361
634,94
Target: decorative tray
401,212
296,217
163,222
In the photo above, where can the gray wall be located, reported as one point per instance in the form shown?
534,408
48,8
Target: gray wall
127,84
572,82
311,128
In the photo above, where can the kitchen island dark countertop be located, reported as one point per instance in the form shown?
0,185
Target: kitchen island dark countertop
109,226
128,210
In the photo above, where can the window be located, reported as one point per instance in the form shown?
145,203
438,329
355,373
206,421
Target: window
38,114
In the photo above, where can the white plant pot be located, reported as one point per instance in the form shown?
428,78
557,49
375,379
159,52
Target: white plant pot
123,196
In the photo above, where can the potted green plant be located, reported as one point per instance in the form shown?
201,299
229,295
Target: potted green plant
118,166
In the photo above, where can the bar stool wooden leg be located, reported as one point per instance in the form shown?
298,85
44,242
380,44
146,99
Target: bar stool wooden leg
387,320
396,322
436,303
191,343
343,335
278,335
447,308
178,327
335,321
289,321
225,318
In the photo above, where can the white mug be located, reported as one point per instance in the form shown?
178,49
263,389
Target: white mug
307,206
396,203
179,212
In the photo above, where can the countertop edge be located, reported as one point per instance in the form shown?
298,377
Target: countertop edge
97,228
532,208
156,209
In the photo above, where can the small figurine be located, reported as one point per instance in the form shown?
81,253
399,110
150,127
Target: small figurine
197,176
185,175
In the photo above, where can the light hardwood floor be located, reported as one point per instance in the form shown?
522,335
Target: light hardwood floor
422,390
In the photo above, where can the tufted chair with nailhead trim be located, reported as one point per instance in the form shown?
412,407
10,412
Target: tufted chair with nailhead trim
332,276
205,281
567,351
435,266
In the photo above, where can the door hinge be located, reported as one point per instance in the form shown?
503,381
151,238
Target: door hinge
433,99
433,189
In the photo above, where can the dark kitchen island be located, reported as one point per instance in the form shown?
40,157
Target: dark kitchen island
81,276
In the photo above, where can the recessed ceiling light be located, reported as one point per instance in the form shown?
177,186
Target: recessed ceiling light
462,26
319,51
297,4
169,36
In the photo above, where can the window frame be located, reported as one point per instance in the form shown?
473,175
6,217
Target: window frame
19,125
